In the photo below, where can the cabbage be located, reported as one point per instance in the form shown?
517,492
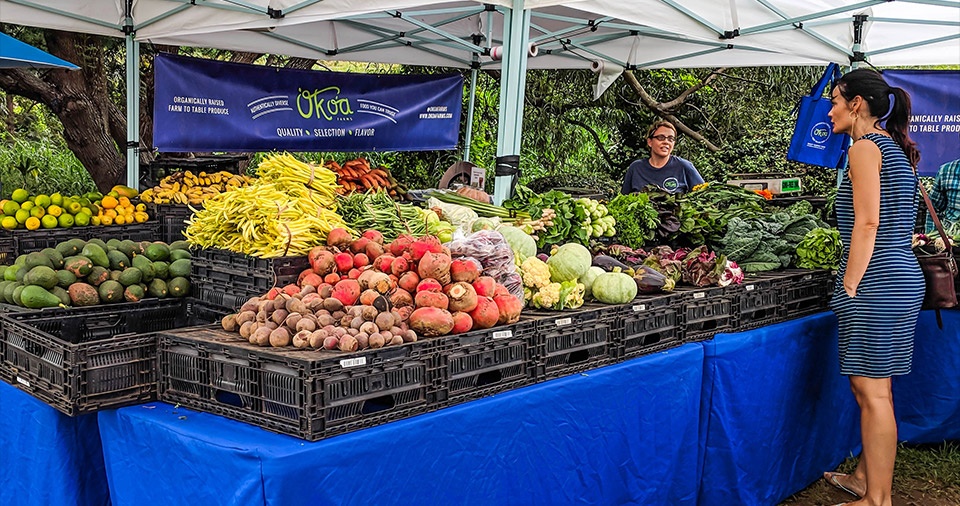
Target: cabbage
520,242
569,262
588,279
614,288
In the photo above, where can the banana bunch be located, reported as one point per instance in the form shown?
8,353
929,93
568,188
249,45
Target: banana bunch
187,188
278,215
285,170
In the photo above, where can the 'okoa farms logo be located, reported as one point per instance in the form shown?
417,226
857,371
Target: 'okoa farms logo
820,132
670,184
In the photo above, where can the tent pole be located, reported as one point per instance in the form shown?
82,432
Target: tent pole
133,111
470,107
512,84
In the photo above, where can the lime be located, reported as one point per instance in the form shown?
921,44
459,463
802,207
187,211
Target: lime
49,221
81,219
95,221
65,220
9,222
28,205
37,212
56,199
32,223
22,216
74,207
42,201
20,195
10,208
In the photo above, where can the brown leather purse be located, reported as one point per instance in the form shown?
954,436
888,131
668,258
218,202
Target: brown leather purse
939,269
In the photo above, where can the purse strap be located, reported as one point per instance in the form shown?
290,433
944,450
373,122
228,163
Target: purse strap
933,212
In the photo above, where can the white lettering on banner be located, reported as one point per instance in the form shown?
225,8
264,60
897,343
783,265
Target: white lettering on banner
364,132
291,132
329,132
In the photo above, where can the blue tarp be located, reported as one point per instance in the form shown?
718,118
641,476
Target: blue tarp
927,400
14,53
624,434
776,412
47,457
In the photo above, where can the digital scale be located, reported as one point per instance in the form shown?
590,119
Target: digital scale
778,184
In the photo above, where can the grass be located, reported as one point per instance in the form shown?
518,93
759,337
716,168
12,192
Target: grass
925,475
41,167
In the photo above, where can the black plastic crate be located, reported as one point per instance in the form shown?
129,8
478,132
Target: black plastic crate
172,220
571,342
706,311
243,275
8,250
151,173
228,302
482,363
35,240
83,360
310,394
806,292
759,300
202,313
648,324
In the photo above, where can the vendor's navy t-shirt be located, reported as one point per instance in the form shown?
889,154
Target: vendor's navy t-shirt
677,175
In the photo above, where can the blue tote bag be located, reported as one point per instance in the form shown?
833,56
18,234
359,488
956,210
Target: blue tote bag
813,140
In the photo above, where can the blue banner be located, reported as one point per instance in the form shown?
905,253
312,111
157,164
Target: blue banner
206,105
935,118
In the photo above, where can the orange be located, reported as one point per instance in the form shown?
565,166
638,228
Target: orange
32,223
109,202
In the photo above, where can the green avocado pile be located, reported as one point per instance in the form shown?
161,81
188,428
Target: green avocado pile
88,273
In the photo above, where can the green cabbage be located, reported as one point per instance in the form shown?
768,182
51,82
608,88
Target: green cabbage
569,262
520,242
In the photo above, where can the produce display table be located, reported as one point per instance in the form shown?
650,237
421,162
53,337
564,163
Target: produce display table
626,433
47,457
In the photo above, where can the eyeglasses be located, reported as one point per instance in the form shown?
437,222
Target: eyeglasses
661,138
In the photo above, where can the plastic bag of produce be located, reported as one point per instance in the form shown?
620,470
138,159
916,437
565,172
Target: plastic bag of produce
494,253
459,216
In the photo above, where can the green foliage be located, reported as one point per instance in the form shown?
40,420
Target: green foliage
820,249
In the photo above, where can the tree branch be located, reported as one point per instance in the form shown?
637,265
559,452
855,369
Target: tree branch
596,139
683,96
655,106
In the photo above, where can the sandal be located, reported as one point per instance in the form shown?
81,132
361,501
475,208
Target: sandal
832,478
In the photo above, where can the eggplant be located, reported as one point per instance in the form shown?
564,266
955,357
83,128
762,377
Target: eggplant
650,280
611,264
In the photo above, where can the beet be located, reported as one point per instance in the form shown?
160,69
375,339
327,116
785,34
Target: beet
485,286
399,266
328,343
383,263
431,299
436,266
272,293
373,250
340,238
376,280
344,262
499,290
348,343
424,245
431,321
486,314
401,298
359,246
429,285
409,281
368,296
347,291
509,307
462,296
311,279
321,260
354,273
309,289
401,244
280,338
461,323
373,235
361,260
404,312
331,278
465,269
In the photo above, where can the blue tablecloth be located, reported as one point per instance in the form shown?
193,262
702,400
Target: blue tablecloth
626,433
927,401
46,457
776,412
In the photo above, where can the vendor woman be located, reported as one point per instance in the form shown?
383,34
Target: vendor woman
664,170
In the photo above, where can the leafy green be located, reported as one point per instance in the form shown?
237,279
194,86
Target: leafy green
820,249
636,218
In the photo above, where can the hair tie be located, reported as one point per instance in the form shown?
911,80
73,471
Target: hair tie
893,99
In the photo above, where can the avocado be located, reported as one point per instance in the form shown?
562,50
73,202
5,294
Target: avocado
97,275
98,242
113,243
70,248
65,278
8,291
118,260
157,252
179,245
180,268
133,293
130,276
36,258
83,294
36,297
41,275
129,248
178,287
56,259
61,294
3,285
111,291
79,265
16,294
115,275
10,274
157,288
161,270
179,254
22,273
96,254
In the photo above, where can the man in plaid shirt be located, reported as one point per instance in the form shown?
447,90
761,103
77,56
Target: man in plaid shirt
945,196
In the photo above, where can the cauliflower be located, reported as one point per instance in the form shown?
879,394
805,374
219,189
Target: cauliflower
535,273
547,296
572,295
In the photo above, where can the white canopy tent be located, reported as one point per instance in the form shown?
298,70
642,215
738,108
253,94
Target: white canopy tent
566,34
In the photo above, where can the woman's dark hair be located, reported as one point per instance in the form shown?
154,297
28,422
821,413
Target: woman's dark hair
870,85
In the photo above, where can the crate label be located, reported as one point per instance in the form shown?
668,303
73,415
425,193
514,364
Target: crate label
353,362
639,307
23,381
564,321
750,288
503,334
699,295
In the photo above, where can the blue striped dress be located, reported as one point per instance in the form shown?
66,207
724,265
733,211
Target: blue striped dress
877,326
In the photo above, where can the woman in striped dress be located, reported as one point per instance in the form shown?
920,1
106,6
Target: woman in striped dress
879,284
